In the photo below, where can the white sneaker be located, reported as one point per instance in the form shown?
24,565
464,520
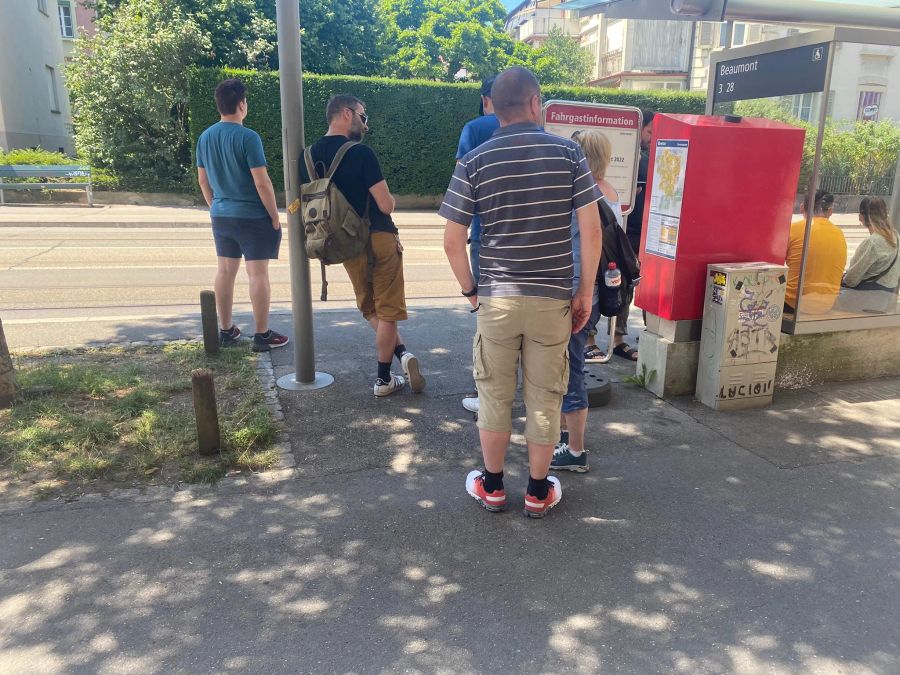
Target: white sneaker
471,404
383,388
411,367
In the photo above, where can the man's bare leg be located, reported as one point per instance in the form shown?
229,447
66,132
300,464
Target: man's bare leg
493,447
224,287
260,292
539,456
386,340
374,323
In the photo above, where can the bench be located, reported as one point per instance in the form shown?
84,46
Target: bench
42,173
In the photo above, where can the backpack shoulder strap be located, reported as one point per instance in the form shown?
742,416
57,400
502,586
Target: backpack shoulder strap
335,163
310,165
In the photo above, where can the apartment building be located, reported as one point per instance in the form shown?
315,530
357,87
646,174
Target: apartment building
36,38
859,83
634,54
532,20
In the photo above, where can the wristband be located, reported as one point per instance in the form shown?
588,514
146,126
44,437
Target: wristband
472,293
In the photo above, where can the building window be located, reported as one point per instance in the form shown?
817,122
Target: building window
723,35
66,27
740,32
802,106
869,106
42,6
54,93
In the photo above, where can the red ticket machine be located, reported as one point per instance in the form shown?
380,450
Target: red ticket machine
721,190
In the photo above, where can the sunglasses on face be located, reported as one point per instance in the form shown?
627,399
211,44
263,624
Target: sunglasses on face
362,116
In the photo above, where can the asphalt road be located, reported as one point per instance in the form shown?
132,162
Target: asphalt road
71,276
62,286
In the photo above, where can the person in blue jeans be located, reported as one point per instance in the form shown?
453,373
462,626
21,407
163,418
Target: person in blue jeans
570,453
475,133
231,170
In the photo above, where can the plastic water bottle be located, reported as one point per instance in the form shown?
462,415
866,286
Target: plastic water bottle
612,277
611,291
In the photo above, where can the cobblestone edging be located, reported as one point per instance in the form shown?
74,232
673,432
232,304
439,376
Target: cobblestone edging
284,468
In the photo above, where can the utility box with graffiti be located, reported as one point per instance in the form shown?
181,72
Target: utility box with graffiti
741,330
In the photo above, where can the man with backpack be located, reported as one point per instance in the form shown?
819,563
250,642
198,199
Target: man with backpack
344,183
231,170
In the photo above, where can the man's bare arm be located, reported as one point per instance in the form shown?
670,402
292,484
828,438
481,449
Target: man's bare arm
266,193
455,236
204,186
383,197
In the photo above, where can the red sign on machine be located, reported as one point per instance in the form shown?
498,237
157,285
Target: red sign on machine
620,124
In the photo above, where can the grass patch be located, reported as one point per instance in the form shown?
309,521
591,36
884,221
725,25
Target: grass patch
125,417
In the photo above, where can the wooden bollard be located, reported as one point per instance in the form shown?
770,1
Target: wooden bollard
7,373
210,321
204,390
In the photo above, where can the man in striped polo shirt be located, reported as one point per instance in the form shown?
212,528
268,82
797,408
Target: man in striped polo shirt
524,184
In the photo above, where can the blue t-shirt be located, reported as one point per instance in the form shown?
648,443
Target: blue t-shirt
228,151
474,134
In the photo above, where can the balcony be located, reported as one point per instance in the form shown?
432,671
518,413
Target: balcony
611,63
536,29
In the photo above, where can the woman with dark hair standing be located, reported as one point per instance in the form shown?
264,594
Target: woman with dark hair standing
871,280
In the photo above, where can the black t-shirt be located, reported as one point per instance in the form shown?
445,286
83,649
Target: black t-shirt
636,217
359,170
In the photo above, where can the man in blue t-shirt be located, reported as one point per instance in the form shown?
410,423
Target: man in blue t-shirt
474,134
231,169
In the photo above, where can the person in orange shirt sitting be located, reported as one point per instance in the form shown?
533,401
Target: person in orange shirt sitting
825,259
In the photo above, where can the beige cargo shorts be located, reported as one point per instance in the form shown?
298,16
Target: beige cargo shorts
535,331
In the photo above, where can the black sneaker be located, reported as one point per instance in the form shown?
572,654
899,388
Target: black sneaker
263,342
229,337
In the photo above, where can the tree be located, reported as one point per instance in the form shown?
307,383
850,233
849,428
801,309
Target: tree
561,60
129,90
341,36
433,39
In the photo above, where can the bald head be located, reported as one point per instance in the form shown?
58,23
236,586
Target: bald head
513,95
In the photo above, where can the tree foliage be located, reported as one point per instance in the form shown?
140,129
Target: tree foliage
128,86
561,60
863,153
434,39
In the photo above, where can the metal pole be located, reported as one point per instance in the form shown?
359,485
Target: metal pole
895,199
803,12
813,181
287,15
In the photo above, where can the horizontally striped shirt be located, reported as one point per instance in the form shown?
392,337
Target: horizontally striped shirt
524,183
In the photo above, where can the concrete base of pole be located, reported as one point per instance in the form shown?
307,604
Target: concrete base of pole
289,382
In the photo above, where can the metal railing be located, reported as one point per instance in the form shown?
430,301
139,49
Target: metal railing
842,184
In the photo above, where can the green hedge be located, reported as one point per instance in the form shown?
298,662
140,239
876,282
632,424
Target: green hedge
414,125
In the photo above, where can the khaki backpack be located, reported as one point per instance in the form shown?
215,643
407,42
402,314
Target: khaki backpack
335,232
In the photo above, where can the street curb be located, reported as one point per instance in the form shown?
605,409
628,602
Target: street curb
283,470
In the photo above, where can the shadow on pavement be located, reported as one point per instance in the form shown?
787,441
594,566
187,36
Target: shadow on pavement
764,541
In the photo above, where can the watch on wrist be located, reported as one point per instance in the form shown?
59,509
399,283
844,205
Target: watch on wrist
472,293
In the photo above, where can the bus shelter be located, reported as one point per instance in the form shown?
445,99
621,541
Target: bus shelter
830,81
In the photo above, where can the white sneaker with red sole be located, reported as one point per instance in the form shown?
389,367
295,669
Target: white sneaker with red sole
538,508
491,501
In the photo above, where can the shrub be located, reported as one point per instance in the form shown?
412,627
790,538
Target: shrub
415,124
36,156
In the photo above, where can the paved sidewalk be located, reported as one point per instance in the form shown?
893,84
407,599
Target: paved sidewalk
121,215
756,542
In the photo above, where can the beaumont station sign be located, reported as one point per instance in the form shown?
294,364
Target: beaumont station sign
799,70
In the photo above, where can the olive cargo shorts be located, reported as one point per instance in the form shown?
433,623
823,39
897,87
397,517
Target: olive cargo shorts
380,292
537,331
